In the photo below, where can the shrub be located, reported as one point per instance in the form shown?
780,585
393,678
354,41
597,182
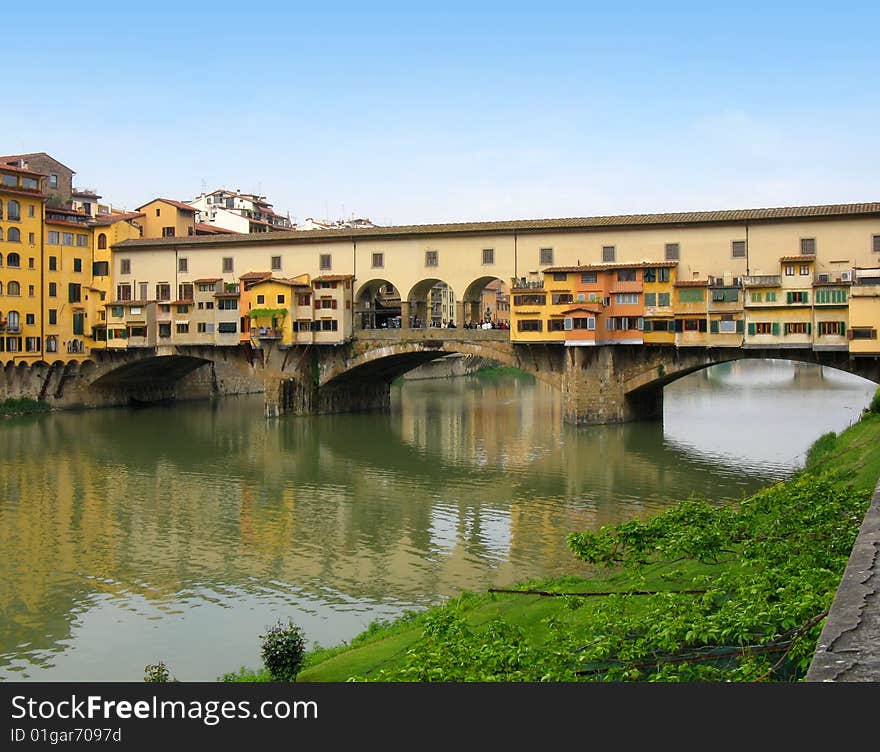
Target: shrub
283,651
157,672
874,407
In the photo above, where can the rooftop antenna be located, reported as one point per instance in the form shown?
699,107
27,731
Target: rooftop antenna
204,185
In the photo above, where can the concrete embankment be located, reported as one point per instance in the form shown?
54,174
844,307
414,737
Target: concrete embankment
849,646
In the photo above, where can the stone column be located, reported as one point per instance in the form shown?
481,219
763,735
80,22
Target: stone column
593,387
459,313
404,314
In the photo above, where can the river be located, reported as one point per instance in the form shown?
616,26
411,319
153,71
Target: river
180,533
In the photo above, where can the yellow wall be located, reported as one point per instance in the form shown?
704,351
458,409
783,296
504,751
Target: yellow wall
864,314
73,266
168,216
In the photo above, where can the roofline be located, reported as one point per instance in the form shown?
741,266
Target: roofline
591,224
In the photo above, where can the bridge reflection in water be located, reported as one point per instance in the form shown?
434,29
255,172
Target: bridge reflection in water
133,545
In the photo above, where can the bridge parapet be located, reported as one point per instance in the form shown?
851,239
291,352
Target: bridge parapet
434,334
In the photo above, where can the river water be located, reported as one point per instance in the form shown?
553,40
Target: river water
129,536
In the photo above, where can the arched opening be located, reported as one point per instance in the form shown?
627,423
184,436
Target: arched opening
102,241
13,260
13,210
432,303
486,301
377,306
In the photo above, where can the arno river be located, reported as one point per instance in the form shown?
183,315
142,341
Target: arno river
179,533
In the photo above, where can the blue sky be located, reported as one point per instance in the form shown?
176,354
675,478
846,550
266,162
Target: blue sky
407,113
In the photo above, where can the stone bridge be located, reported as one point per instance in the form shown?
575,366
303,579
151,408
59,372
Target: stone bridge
602,384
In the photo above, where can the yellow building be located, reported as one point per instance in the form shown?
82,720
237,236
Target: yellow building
108,229
21,239
864,311
67,255
167,218
726,312
691,309
659,290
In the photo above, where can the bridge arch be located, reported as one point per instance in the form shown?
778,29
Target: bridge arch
154,371
377,304
431,302
472,307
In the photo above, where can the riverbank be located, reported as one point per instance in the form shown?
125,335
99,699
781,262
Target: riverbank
700,592
22,406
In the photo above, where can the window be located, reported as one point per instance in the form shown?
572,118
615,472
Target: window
431,258
797,297
875,243
545,256
30,291
738,249
31,344
797,327
123,292
31,207
164,329
609,253
30,319
261,299
142,290
167,232
163,291
808,246
835,295
529,325
53,290
77,265
227,304
117,312
100,268
589,278
53,316
663,299
691,295
672,251
182,328
329,325
74,293
626,275
51,344
650,298
279,298
180,309
275,263
529,300
13,321
832,328
53,180
227,265
488,256
185,291
54,238
13,235
13,288
804,270
789,270
158,212
102,242
557,298
325,261
13,211
378,260
31,238
862,332
125,266
325,303
756,297
303,300
626,298
13,260
79,323
228,327
82,241
66,238
183,265
770,297
725,295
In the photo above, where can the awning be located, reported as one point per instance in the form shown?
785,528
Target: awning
181,322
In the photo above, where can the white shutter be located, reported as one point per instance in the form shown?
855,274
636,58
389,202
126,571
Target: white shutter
567,324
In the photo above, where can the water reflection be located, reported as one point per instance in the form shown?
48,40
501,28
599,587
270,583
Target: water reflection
180,533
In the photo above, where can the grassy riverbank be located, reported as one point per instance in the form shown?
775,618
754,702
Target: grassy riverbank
701,592
22,406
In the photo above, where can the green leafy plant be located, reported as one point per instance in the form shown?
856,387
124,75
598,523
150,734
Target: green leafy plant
157,673
283,650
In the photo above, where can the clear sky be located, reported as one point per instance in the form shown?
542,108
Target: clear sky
434,112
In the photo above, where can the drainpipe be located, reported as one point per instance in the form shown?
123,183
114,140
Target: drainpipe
747,248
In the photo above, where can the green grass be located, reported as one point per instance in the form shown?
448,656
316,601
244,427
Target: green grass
855,453
22,406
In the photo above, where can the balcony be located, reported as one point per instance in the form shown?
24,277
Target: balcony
265,332
75,347
762,280
526,284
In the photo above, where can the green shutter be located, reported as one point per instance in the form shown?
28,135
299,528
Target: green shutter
775,328
842,328
713,326
788,297
751,328
809,328
739,326
806,297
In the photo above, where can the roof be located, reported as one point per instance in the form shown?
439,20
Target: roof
332,277
207,280
692,283
35,154
210,229
179,204
610,267
13,168
280,281
109,219
255,275
804,259
629,221
588,309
